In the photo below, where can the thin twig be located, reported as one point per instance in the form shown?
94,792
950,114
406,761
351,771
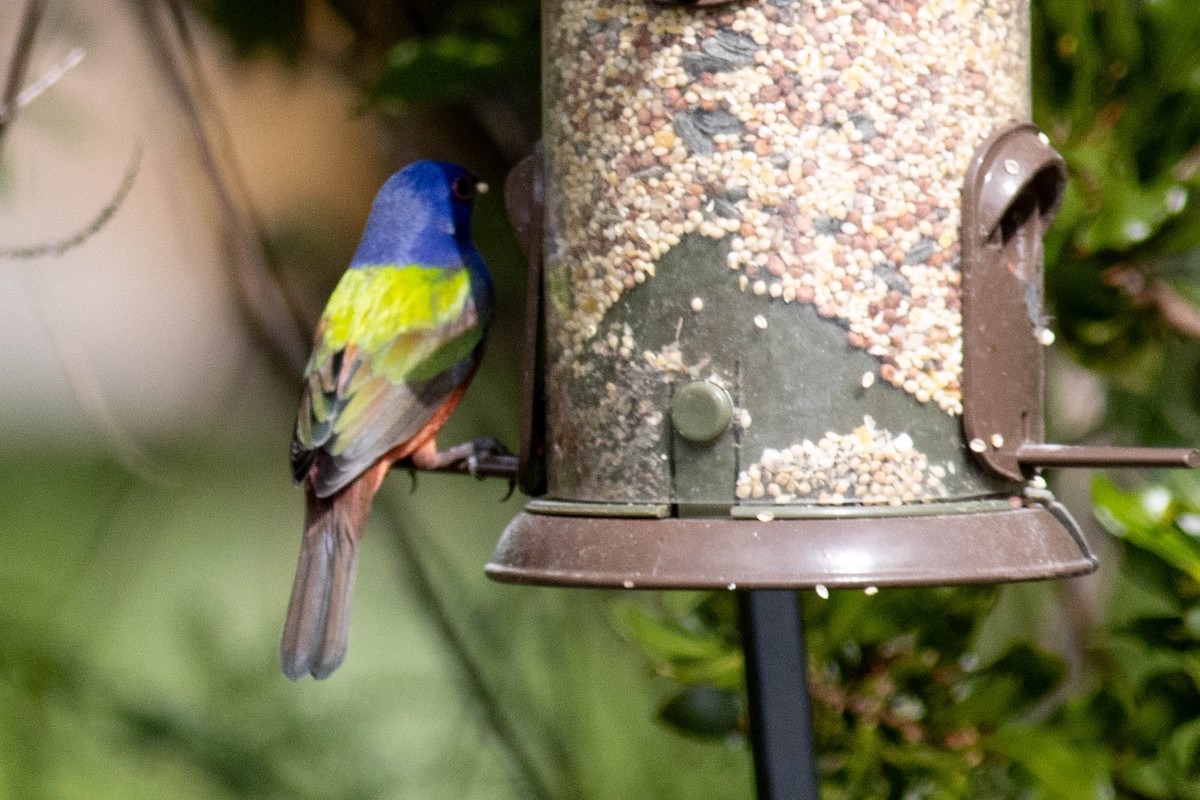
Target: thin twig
1185,169
86,390
1177,312
53,76
57,248
1149,292
422,584
223,145
22,52
264,301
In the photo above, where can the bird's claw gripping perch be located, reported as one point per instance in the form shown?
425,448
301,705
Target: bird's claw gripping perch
491,447
484,447
481,458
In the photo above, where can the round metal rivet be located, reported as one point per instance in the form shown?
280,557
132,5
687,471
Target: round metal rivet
701,411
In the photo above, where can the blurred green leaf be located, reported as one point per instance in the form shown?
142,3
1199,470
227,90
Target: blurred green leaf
1061,769
446,69
666,640
704,711
686,641
256,26
483,46
1147,518
1021,678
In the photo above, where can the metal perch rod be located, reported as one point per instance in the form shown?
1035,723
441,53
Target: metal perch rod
1061,455
486,466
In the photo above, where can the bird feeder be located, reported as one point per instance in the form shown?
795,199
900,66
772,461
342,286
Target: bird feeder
787,318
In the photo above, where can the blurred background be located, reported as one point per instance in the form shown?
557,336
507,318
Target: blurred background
180,186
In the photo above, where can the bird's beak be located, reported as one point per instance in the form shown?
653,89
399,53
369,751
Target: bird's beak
481,187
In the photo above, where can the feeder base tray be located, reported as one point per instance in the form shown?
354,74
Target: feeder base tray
1013,544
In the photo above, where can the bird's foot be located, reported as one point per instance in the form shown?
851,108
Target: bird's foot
490,446
482,458
469,454
484,447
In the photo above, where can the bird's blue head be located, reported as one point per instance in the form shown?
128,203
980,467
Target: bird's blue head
422,215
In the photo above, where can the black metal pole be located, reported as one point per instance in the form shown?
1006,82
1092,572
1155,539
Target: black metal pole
777,682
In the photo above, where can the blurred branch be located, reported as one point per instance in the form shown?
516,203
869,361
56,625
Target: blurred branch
1185,169
57,248
87,391
38,87
1174,310
17,66
85,388
423,586
225,148
264,301
1156,295
380,26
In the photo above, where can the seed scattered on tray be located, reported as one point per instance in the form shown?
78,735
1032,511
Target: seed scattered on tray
868,466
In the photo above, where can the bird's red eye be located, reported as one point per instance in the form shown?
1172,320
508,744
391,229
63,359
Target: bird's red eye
463,188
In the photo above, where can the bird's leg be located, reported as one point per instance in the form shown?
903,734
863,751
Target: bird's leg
429,457
490,446
484,446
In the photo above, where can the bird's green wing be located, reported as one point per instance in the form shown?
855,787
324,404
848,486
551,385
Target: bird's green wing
393,344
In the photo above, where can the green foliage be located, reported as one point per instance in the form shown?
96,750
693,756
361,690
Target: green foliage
901,705
463,50
1117,88
1153,519
1144,708
257,26
483,46
693,639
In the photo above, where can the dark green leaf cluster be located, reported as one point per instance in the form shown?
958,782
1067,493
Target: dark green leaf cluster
431,52
902,705
1117,88
1146,701
257,26
481,47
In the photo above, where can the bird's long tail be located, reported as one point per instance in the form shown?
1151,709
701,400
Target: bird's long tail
317,629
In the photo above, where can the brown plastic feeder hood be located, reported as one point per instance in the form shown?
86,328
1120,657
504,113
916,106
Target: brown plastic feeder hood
1012,192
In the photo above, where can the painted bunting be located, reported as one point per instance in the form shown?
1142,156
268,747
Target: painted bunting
395,348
